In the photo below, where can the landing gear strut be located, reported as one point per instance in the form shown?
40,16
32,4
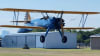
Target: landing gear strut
64,39
42,38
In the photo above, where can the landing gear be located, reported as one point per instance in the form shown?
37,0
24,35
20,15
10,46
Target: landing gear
64,39
42,39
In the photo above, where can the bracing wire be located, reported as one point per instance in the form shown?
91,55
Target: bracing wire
47,14
14,17
83,20
58,15
42,14
17,18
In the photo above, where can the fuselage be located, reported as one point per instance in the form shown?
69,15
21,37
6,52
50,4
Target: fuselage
51,22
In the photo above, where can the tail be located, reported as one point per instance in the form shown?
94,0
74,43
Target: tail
24,30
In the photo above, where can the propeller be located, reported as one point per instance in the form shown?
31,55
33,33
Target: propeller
61,21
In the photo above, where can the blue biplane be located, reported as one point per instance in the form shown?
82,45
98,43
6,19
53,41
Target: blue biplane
46,22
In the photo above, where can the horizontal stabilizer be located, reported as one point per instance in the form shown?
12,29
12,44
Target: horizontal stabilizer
13,26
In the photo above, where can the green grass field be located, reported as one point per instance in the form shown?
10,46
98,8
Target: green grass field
48,52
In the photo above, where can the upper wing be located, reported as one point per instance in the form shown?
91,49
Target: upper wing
12,26
48,11
78,28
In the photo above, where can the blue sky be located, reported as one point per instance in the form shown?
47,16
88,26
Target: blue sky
67,5
77,5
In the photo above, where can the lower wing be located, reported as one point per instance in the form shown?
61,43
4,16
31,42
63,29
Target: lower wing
13,26
20,21
78,28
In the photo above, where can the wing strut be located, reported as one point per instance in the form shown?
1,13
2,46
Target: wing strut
83,20
27,17
16,17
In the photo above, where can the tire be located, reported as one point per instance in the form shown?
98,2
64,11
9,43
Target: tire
64,39
42,39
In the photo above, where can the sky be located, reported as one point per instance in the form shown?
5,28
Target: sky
71,20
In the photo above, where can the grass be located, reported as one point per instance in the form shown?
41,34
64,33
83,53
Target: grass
48,52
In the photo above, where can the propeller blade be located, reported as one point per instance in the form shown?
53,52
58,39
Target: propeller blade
62,24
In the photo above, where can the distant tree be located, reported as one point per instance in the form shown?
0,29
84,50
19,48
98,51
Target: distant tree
39,30
79,38
87,41
96,31
74,31
70,30
84,36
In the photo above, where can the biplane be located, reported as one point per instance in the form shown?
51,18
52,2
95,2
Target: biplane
46,22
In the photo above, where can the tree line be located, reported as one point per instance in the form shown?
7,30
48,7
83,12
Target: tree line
82,36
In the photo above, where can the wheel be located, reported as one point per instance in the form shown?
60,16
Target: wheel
64,39
42,39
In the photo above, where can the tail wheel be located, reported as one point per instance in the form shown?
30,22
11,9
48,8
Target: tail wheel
42,39
64,39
